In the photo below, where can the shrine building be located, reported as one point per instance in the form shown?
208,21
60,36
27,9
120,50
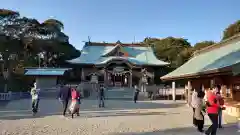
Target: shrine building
216,64
117,64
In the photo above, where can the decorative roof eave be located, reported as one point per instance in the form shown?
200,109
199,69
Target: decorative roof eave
198,75
124,60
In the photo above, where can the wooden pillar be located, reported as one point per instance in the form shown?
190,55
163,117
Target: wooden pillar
105,77
82,74
130,78
173,91
189,98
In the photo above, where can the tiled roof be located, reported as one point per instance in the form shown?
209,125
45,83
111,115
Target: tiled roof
221,55
112,44
140,55
45,71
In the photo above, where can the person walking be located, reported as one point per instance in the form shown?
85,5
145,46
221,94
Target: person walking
194,104
75,103
198,113
221,103
212,110
35,98
64,96
101,96
136,94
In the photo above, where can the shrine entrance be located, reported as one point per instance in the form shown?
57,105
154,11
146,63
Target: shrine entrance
118,74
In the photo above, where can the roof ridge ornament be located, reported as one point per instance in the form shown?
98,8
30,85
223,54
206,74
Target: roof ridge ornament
118,42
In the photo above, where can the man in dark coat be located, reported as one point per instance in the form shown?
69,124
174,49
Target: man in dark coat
64,96
136,94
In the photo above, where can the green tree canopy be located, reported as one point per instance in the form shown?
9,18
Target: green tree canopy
27,37
203,44
231,30
170,49
26,42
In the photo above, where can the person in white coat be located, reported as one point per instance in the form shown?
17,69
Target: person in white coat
35,98
194,104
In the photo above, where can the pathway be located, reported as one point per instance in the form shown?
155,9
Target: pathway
118,118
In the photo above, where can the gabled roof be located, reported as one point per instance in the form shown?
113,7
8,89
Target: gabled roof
215,57
94,53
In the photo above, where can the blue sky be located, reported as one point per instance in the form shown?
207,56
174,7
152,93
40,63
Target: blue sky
112,20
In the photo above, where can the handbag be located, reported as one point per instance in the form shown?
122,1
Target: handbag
208,104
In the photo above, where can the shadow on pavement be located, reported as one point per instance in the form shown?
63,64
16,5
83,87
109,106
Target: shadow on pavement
128,105
25,115
53,104
21,109
119,114
229,129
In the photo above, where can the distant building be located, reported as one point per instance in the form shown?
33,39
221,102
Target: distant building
117,64
46,78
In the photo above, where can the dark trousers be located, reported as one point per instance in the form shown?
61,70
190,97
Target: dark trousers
200,124
65,106
135,98
213,128
220,117
35,103
101,101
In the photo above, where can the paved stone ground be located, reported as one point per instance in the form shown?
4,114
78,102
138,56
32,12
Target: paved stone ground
118,118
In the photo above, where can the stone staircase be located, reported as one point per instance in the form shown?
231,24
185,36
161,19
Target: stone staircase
122,93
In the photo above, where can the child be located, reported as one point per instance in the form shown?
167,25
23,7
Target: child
75,104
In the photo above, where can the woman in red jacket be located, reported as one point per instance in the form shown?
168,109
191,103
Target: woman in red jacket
212,110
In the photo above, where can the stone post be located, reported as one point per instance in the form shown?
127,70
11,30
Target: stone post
173,91
189,90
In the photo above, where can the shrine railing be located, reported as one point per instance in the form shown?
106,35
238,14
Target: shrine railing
14,96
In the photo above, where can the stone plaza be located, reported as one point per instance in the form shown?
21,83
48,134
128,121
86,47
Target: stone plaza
120,117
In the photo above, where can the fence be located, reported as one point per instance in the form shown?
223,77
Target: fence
5,96
14,96
162,92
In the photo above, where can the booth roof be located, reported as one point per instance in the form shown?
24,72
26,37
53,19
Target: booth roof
45,71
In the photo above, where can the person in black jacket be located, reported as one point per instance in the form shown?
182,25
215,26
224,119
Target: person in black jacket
101,96
136,94
64,96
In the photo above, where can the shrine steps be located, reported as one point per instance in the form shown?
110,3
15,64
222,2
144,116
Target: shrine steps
119,93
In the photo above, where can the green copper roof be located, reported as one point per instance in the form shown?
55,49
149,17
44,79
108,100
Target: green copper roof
226,55
140,55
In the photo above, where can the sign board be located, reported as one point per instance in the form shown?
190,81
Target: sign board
118,69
